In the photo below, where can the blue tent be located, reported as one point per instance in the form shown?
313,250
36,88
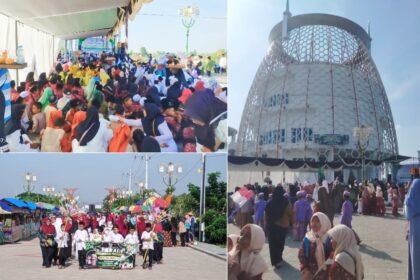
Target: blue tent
16,202
31,205
5,207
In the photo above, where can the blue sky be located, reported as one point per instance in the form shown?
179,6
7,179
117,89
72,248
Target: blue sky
91,173
395,50
166,33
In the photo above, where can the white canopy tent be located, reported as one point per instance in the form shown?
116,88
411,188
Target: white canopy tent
42,26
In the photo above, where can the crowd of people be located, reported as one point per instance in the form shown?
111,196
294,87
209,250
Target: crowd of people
326,251
64,237
109,103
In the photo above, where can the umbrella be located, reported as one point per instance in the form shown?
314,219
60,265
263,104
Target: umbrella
123,208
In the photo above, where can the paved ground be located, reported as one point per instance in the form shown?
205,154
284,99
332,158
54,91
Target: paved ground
384,249
23,261
213,250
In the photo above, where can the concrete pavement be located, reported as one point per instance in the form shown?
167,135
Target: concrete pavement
384,249
23,261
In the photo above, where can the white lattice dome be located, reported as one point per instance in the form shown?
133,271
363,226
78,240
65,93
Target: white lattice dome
316,83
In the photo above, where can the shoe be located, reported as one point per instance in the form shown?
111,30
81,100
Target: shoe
150,268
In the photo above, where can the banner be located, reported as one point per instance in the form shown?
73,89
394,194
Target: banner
109,255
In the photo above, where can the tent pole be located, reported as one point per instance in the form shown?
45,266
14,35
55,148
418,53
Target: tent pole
16,47
53,50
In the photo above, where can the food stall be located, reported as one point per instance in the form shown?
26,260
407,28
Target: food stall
19,223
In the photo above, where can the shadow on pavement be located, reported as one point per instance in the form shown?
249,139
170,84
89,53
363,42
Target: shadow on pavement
369,250
287,271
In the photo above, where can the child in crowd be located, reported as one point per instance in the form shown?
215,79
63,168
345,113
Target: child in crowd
116,237
315,247
303,213
80,237
147,238
395,202
61,238
133,240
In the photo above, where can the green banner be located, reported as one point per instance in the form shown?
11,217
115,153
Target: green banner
109,255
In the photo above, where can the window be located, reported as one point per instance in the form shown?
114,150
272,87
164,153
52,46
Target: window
307,134
282,135
277,100
296,135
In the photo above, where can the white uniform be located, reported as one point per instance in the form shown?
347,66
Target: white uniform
80,237
147,238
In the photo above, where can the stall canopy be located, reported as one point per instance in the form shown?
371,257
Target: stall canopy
72,19
31,205
16,202
5,207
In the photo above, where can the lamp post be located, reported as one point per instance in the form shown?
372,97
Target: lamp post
141,189
188,15
202,170
362,133
30,180
170,171
48,190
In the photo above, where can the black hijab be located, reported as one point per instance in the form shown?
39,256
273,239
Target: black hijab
205,107
153,94
145,144
87,129
174,91
276,206
152,120
14,123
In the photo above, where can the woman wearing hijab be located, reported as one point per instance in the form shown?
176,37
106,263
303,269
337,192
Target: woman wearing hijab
209,116
346,262
92,135
325,205
155,126
46,236
412,207
145,144
315,246
45,98
278,217
16,138
244,260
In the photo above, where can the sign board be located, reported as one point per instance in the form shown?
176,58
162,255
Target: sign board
96,44
331,139
109,255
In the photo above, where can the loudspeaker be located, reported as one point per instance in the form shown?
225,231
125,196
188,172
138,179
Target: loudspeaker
91,207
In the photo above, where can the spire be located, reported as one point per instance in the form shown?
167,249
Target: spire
286,16
369,28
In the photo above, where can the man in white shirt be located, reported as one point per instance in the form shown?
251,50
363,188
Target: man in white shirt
147,238
223,64
80,237
133,240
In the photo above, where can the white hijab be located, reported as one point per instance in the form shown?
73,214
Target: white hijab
320,237
346,245
251,261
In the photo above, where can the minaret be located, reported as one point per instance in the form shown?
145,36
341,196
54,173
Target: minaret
286,16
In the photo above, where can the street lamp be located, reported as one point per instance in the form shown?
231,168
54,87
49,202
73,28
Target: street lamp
188,15
48,190
362,133
141,188
202,170
169,173
30,180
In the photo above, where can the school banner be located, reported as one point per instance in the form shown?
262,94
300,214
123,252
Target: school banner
108,255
